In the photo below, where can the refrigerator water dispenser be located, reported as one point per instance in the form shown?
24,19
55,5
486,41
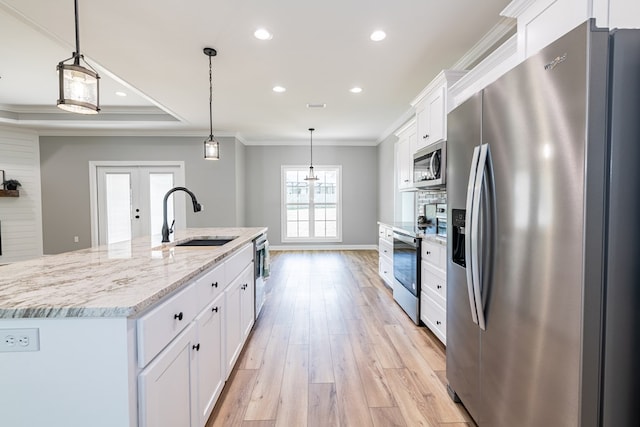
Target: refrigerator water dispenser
457,222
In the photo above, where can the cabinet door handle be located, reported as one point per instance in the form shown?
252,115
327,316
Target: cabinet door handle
214,284
438,322
178,316
244,287
425,136
428,252
439,286
196,347
214,309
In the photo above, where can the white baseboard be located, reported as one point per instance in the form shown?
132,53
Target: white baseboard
312,247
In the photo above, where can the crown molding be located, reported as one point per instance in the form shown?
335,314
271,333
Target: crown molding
504,26
516,8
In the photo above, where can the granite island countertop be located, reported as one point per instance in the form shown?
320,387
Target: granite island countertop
117,280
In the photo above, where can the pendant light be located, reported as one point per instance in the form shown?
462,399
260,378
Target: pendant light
312,176
79,86
211,146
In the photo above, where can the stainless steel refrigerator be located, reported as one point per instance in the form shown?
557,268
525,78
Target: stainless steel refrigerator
543,188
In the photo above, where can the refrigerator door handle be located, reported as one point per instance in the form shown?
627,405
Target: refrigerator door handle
475,234
468,236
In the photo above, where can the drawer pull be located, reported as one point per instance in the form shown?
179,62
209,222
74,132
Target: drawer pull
214,309
178,316
439,286
425,136
214,284
244,287
438,322
428,252
196,347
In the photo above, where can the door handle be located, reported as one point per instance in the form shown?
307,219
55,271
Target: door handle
467,237
475,232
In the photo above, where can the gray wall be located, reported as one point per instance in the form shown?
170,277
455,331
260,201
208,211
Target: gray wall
65,181
359,187
386,181
240,184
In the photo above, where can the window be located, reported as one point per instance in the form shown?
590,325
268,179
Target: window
311,210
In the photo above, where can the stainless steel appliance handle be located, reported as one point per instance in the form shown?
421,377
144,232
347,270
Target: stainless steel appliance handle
433,156
475,232
404,238
467,236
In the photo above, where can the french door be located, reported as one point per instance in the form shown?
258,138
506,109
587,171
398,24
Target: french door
128,200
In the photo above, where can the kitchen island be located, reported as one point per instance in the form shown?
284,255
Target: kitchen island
136,333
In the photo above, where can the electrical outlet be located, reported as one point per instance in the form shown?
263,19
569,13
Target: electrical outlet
76,239
27,339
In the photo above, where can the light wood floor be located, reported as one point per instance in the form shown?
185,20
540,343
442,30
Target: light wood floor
332,348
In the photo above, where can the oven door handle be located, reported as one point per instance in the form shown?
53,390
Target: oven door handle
404,238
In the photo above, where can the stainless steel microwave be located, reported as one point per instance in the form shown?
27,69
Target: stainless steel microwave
429,166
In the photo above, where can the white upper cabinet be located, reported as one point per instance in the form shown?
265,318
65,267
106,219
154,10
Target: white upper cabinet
432,106
404,149
541,22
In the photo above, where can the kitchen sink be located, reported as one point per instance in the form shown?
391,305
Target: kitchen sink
207,241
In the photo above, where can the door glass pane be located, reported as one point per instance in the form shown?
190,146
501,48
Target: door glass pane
118,191
159,184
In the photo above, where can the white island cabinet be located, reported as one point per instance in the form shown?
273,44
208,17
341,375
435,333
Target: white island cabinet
124,336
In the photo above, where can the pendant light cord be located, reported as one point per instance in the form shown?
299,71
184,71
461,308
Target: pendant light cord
76,55
210,100
311,130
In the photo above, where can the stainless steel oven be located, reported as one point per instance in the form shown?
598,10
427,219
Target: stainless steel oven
406,273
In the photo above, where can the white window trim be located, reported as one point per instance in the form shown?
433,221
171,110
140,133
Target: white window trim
283,210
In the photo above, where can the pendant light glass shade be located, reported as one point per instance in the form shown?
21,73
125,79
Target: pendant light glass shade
211,149
312,176
79,86
211,146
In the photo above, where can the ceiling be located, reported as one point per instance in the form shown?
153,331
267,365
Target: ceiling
152,51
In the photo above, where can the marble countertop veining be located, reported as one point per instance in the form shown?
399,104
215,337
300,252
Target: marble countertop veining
117,280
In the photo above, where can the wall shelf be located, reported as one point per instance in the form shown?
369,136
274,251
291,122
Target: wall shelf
9,193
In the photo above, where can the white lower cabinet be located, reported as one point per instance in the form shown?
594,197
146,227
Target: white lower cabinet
239,315
165,386
186,356
385,254
209,358
433,298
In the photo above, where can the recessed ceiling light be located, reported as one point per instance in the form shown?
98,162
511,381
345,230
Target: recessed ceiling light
279,89
355,89
120,93
378,35
262,34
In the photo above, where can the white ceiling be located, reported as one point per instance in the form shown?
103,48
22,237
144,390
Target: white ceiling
152,50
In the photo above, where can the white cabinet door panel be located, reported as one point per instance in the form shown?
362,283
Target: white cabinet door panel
210,365
165,386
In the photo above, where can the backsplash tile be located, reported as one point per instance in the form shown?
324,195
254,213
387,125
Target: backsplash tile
425,197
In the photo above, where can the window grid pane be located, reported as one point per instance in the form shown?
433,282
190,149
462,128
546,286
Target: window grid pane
311,212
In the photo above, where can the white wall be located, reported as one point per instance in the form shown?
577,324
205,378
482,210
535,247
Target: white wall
21,217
